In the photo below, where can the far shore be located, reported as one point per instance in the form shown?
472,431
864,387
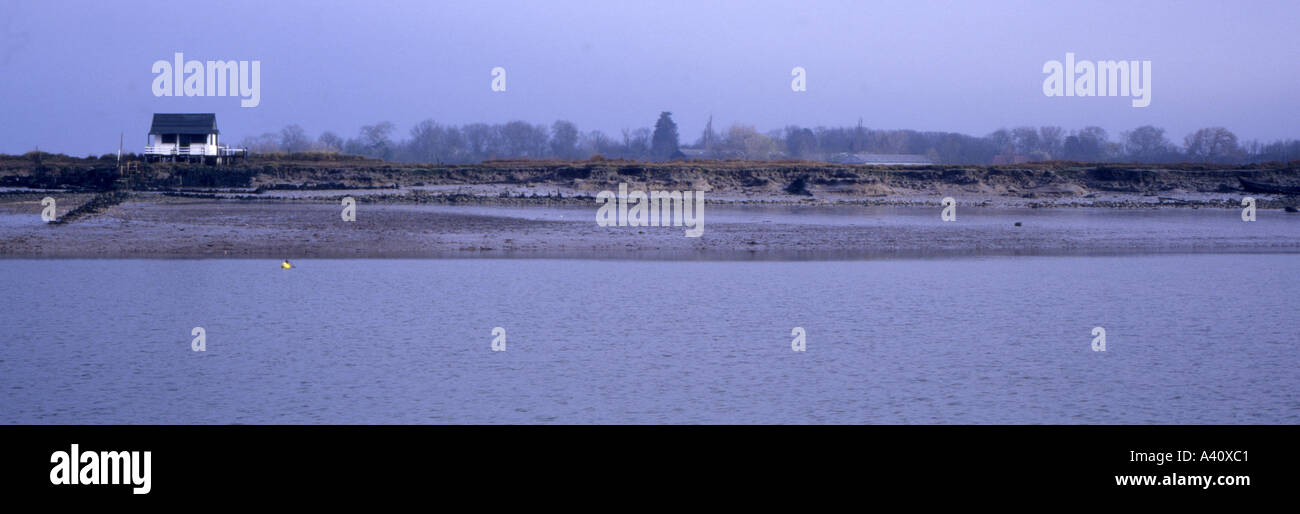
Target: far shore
158,225
753,211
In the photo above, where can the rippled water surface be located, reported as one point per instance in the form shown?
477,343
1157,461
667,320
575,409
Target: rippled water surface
1190,339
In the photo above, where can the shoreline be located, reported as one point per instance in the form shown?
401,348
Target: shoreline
664,257
754,210
450,225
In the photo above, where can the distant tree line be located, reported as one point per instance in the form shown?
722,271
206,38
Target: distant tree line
432,142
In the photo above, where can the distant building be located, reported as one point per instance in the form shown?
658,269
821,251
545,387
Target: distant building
882,159
191,137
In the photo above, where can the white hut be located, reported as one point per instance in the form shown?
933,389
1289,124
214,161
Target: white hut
189,137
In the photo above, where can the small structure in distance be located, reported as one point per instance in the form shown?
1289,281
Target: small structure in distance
188,137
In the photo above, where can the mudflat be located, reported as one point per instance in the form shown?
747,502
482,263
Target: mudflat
514,221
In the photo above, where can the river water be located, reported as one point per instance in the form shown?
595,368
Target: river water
1210,338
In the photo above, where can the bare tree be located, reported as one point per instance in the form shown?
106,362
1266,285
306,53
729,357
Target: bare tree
1147,144
800,143
1214,144
481,141
708,139
1025,140
564,140
293,139
1051,140
597,143
375,142
329,142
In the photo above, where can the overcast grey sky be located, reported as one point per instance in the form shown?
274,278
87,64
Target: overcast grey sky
76,73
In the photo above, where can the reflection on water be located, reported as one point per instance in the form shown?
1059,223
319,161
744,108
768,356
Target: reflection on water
1191,339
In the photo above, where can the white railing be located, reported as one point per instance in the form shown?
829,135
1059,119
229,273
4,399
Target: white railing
195,150
191,150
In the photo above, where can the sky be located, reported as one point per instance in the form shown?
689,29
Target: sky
77,74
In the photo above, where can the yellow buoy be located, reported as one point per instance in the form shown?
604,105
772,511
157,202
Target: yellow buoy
285,265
